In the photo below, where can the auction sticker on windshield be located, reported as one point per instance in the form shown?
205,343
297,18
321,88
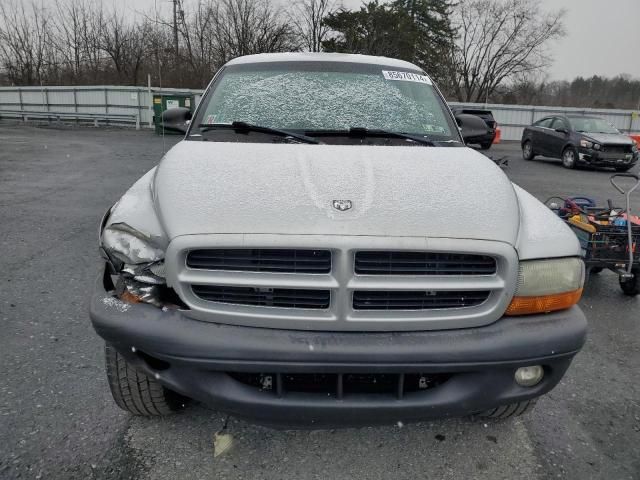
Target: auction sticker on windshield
406,76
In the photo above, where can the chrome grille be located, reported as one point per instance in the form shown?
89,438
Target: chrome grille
261,260
423,263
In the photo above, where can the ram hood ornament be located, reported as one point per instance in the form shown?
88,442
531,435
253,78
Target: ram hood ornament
342,205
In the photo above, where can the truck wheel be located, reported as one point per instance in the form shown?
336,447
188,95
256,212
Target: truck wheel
135,392
596,270
486,145
508,411
631,286
569,157
527,150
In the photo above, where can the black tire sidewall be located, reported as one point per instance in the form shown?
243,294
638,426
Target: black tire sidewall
134,391
531,154
575,157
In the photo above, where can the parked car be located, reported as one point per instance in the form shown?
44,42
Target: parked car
323,249
579,140
485,139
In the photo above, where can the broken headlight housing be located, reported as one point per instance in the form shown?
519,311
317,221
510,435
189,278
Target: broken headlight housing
138,262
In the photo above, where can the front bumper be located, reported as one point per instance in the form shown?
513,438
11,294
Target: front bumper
593,157
203,360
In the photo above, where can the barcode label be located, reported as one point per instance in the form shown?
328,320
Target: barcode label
406,77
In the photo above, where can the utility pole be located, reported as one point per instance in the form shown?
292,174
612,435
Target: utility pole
175,27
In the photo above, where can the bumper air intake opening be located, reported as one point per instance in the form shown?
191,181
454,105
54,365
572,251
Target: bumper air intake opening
341,385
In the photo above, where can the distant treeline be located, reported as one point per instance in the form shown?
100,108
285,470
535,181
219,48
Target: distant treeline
477,50
622,92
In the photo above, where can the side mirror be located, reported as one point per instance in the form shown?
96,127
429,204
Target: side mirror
562,130
472,127
177,119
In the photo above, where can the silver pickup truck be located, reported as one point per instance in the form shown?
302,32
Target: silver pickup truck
322,249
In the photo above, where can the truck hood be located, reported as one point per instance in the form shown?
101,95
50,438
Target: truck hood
218,188
610,138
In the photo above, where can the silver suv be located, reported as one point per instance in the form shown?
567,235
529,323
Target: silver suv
322,249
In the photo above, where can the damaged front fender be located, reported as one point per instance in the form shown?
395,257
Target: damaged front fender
133,243
136,209
131,233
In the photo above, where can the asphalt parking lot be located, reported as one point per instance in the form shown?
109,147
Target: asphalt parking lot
57,419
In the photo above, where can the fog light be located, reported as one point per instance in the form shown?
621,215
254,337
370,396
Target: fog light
529,376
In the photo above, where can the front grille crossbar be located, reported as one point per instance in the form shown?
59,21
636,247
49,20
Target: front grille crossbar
264,297
416,300
422,263
260,260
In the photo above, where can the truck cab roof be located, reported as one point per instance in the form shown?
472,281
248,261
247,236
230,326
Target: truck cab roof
322,57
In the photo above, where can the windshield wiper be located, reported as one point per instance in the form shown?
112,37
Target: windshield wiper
362,132
249,127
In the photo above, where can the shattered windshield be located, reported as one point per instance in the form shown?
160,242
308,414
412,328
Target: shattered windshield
592,125
316,96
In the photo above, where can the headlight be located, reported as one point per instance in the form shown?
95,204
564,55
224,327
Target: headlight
586,144
547,285
137,261
129,245
597,146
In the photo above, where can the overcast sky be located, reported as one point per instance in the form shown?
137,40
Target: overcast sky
603,36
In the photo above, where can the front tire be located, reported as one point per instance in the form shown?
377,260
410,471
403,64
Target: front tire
527,150
508,411
486,145
135,392
569,158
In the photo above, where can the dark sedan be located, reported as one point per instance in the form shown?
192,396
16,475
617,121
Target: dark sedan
579,140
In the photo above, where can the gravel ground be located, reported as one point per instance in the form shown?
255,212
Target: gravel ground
57,419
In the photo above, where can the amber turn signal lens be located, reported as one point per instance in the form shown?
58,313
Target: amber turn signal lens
129,297
543,304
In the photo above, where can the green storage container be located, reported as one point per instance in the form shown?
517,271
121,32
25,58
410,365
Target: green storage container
162,102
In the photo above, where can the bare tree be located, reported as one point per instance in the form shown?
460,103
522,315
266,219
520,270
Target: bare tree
499,41
124,43
25,42
75,40
85,41
244,27
307,17
197,33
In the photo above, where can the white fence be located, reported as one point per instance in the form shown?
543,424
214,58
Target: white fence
110,100
138,100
